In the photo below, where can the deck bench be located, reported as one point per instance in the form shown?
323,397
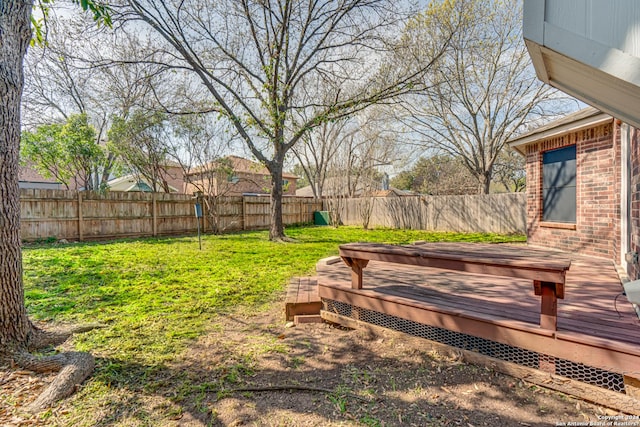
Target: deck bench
546,270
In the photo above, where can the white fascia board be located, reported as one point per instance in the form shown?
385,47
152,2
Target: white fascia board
607,93
535,52
597,74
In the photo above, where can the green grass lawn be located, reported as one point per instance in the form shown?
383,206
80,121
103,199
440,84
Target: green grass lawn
154,295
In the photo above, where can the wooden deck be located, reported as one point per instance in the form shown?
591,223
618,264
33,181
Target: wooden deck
546,271
596,326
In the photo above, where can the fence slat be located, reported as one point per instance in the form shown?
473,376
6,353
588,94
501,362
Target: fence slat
77,215
490,213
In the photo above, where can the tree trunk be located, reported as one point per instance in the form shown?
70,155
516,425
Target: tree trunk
319,186
484,183
15,33
17,334
276,229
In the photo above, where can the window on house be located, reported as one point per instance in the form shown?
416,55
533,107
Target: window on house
233,179
559,185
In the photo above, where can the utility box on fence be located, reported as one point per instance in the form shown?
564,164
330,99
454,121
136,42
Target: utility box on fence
321,218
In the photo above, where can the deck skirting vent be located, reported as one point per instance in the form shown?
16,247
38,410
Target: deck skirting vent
575,371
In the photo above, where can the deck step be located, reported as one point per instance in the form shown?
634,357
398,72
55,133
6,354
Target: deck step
302,298
299,319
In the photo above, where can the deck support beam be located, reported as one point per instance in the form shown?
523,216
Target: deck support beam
549,293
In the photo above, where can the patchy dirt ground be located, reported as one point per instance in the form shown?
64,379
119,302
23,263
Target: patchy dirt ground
252,371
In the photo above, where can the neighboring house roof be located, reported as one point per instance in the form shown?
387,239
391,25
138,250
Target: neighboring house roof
583,119
133,183
305,191
29,177
171,164
242,165
27,173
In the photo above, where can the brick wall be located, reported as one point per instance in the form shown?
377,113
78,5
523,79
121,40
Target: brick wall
247,183
261,184
597,227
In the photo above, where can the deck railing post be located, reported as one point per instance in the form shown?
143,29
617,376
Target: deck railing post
356,270
548,306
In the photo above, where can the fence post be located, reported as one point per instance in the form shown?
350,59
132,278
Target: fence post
154,209
80,219
205,215
244,212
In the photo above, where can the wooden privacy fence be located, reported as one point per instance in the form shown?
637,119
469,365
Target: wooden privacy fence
491,213
75,215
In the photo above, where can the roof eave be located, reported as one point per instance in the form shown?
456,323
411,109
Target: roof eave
519,144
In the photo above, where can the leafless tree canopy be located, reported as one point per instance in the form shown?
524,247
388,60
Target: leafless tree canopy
486,89
317,150
70,75
350,151
265,64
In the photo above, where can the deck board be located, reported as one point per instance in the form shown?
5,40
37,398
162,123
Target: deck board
587,315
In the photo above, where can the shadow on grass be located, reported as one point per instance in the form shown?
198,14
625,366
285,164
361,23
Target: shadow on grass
370,380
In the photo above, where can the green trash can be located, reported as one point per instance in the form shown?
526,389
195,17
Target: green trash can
321,218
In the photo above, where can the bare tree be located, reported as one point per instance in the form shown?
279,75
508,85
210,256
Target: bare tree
318,148
510,171
487,89
335,203
367,143
365,207
373,144
69,76
58,86
200,145
371,148
263,64
55,87
362,143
